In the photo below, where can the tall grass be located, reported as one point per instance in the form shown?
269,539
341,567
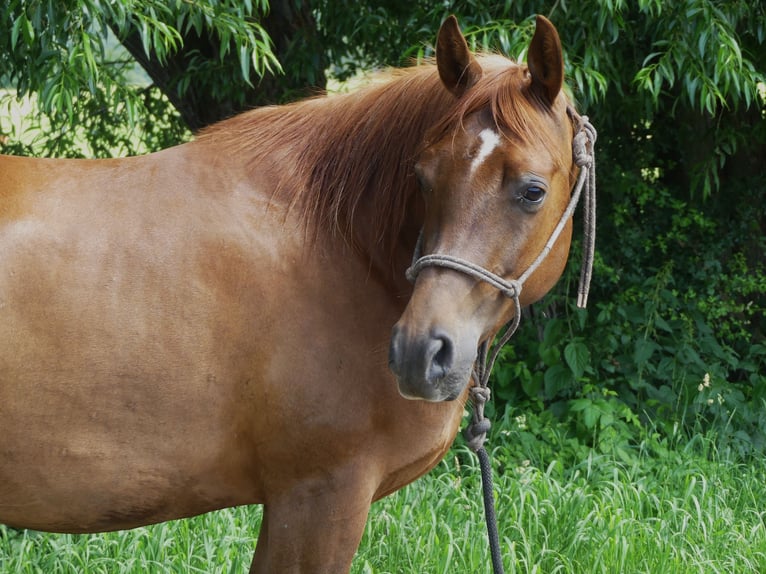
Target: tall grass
686,512
216,542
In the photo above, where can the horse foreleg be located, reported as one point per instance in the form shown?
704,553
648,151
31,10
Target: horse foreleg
311,529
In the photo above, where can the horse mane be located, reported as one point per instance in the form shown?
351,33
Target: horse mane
346,160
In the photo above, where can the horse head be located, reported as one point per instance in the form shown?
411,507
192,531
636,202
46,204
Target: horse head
496,177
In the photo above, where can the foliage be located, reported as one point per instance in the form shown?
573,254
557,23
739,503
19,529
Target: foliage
63,52
68,41
675,341
703,52
93,134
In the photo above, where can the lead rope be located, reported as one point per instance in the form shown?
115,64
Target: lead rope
476,432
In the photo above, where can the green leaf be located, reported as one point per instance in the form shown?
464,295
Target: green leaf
701,42
691,89
662,324
556,379
577,357
532,385
590,411
15,31
644,349
244,63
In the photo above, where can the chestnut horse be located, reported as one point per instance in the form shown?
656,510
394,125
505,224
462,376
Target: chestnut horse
211,325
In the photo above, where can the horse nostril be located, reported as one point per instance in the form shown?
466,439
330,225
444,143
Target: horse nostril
441,351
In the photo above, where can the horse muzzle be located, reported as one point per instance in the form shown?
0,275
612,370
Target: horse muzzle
432,366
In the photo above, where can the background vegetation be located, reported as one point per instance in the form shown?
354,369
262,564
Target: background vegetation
660,383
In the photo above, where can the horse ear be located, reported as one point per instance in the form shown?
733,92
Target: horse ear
546,61
458,69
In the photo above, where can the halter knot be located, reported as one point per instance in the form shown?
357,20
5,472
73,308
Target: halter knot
475,434
480,395
582,156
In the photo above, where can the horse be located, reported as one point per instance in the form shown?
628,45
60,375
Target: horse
229,322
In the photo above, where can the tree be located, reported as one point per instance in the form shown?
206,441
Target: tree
208,59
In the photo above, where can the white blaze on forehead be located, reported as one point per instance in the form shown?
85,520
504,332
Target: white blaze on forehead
490,139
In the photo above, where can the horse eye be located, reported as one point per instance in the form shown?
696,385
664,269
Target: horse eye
534,194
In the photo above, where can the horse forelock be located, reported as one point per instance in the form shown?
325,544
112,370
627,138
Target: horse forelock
504,92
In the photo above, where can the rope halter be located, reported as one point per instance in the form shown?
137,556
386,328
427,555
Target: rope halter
583,156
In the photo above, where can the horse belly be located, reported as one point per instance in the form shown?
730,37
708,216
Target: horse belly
109,454
71,466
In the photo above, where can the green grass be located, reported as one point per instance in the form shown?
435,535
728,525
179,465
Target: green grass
682,515
687,512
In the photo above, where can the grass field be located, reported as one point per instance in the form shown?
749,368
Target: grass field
685,513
